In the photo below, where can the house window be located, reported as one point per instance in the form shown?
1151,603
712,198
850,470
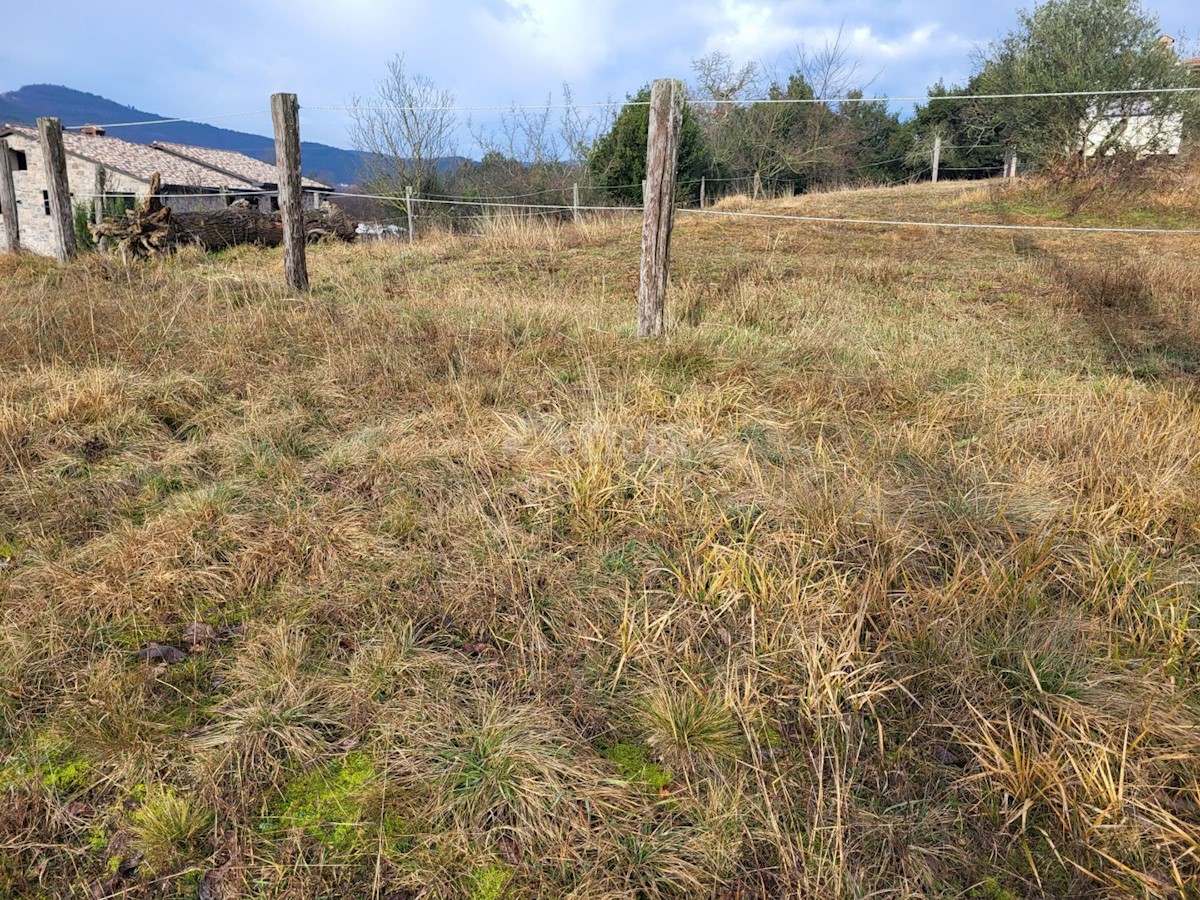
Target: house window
20,162
46,201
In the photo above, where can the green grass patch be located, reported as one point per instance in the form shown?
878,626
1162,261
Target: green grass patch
633,762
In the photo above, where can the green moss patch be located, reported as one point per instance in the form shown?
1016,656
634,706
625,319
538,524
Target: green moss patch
331,806
632,761
489,882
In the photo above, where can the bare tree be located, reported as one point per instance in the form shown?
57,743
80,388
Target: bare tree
801,131
719,84
720,81
406,130
530,149
524,134
580,130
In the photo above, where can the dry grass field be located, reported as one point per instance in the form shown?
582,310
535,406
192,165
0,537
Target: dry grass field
877,578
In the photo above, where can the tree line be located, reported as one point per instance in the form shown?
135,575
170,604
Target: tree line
808,124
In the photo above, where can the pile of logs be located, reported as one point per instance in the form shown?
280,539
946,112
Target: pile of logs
152,229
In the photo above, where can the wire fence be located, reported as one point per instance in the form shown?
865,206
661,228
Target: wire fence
696,195
695,101
547,209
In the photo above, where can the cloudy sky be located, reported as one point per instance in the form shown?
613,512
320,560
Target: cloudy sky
220,56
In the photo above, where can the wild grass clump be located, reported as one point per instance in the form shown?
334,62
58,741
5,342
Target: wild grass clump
170,829
1136,192
876,577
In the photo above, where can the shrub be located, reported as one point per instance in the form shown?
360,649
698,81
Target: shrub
83,235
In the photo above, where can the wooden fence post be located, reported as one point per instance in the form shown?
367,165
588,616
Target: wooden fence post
575,201
1010,162
8,201
98,195
1013,164
757,186
54,157
937,157
702,192
98,203
662,152
408,211
285,116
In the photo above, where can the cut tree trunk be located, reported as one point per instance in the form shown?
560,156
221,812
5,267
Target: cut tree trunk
152,229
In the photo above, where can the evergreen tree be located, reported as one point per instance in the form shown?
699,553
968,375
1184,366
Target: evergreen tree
618,161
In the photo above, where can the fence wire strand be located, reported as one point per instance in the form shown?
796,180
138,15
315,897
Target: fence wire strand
695,101
786,217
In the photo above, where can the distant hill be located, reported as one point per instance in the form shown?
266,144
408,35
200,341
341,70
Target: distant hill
332,164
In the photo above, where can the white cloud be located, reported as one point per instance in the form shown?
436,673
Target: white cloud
567,37
756,30
750,30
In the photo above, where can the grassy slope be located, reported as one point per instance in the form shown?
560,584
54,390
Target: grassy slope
879,576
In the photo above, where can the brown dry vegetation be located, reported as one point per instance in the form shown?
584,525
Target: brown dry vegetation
878,577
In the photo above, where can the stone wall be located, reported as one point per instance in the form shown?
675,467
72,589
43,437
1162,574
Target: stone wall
36,226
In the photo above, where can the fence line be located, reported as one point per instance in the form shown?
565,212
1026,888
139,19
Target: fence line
696,101
980,226
768,101
831,220
232,115
658,205
487,204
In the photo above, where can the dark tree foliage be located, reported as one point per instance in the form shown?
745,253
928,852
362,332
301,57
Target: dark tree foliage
972,147
868,151
618,160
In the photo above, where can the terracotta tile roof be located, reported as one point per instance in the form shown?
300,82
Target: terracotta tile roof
235,163
142,161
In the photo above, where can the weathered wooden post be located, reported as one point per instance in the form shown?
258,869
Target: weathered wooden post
937,156
643,193
285,116
757,186
98,203
8,201
702,192
575,201
1010,162
98,195
408,211
662,152
54,157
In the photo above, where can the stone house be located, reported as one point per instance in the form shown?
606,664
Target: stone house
117,173
247,168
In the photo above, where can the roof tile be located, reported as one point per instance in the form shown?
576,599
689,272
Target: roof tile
240,164
142,161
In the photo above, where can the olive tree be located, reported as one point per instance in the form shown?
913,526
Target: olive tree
1075,48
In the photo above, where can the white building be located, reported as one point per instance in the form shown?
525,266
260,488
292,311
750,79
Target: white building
1132,125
